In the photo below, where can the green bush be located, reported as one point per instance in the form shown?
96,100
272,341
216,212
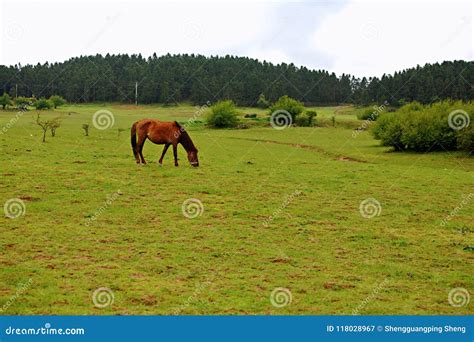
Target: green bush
223,114
42,103
5,100
57,101
292,106
465,138
262,102
302,120
22,102
424,128
367,114
311,115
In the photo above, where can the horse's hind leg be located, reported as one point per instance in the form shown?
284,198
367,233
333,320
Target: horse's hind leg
140,143
163,154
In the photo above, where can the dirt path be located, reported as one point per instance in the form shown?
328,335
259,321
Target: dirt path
334,156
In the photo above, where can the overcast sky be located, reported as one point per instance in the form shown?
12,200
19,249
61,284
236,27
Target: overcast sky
356,37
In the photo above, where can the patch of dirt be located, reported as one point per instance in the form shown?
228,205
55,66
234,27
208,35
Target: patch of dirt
309,147
281,260
29,198
79,162
43,257
147,300
137,276
350,159
334,286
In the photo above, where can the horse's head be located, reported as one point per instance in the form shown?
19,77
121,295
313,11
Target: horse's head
193,158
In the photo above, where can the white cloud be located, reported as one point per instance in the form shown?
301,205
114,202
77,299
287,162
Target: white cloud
370,39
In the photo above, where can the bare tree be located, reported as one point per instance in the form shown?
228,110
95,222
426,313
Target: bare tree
44,124
53,125
85,127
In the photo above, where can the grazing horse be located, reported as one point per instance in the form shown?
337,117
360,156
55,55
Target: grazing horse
159,132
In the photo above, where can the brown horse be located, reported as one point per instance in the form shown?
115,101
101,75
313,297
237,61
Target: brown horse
159,132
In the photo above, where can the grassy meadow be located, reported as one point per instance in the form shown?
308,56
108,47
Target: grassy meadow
281,209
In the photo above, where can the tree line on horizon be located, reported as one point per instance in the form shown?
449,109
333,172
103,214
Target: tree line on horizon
171,79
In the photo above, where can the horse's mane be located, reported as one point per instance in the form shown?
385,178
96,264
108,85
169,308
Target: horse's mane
185,139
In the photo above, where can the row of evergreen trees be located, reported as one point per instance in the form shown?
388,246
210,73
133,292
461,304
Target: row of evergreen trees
175,78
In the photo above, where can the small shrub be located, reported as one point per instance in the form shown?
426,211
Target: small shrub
85,127
367,114
311,115
44,125
262,102
223,114
54,125
43,103
57,101
5,101
292,106
22,102
302,120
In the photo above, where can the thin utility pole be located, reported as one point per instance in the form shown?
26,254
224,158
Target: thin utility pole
16,90
136,93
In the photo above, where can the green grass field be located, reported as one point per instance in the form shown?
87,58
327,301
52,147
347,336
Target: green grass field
311,181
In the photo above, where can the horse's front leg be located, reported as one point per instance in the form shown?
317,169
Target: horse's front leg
175,153
163,154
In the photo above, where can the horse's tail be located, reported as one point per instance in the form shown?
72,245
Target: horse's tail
133,134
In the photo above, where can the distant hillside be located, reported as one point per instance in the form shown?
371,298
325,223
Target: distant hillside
196,78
